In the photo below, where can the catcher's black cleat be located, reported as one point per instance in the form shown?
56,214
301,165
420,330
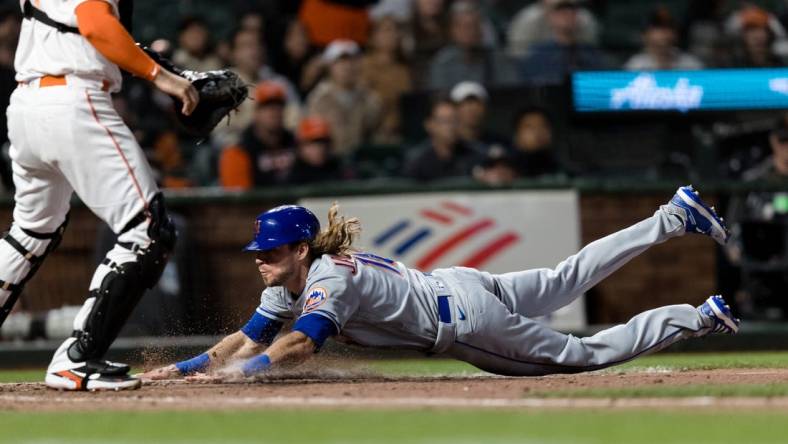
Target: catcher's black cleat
94,375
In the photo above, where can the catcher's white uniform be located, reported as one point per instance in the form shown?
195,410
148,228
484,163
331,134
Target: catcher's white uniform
67,137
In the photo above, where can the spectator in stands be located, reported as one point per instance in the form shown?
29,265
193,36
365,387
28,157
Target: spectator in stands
466,58
497,168
757,31
249,61
530,26
253,21
329,20
429,26
352,111
266,151
299,61
443,154
704,32
659,46
759,225
385,72
399,10
493,25
10,22
551,62
194,47
315,160
428,34
471,100
534,153
761,205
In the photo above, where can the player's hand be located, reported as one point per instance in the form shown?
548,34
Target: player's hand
168,372
179,88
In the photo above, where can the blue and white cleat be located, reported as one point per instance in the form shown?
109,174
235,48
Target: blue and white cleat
719,312
701,218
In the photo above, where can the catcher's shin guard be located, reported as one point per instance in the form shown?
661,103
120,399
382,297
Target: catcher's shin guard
33,247
109,306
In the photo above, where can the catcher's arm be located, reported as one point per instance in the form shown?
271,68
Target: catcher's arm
233,347
105,33
179,87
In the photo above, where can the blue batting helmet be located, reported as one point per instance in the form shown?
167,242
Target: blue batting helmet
283,225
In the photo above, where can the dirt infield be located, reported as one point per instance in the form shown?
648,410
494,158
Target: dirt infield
354,389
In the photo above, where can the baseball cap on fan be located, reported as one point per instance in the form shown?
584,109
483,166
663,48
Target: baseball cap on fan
468,90
269,92
312,129
340,49
753,17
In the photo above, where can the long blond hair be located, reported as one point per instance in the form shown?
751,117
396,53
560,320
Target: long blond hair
337,238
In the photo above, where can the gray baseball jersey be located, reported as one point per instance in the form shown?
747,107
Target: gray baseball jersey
487,319
372,301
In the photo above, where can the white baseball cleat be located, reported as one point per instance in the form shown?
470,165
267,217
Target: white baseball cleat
92,376
719,312
701,218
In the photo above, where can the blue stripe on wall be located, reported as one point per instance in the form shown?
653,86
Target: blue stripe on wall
391,232
412,241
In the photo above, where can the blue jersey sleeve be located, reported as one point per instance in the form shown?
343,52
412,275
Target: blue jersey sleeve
317,327
261,329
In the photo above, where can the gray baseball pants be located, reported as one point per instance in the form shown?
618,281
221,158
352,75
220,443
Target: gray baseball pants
498,333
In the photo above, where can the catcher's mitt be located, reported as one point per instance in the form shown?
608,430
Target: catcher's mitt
221,91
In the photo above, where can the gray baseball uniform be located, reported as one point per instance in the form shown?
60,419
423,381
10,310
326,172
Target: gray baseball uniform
486,319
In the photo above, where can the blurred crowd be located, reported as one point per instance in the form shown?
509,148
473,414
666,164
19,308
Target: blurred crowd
329,83
439,89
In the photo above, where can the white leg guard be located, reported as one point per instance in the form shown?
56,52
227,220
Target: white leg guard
130,268
21,253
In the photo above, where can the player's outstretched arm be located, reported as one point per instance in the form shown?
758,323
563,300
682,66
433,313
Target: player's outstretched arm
233,347
291,349
287,351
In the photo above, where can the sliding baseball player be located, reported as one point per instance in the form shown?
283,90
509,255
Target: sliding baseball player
318,280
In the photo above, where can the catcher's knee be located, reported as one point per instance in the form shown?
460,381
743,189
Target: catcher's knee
160,235
33,247
163,235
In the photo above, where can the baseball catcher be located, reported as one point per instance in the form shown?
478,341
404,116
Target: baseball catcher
66,137
318,279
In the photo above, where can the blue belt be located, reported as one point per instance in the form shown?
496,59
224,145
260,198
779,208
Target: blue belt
443,295
444,310
446,333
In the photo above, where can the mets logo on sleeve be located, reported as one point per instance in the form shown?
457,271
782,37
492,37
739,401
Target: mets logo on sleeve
315,298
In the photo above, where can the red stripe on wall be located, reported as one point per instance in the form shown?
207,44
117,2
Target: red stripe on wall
457,208
437,217
487,252
452,242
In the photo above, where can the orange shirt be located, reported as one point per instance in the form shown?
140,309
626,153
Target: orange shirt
326,22
235,168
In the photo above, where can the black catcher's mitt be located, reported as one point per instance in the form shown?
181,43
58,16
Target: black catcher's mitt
221,91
